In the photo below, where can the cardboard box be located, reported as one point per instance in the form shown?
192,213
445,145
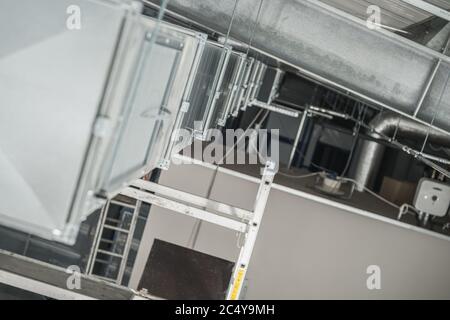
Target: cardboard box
398,192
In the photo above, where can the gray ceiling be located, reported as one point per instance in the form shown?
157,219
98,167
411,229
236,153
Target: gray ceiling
394,13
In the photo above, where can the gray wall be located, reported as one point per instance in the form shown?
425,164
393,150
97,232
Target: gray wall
307,250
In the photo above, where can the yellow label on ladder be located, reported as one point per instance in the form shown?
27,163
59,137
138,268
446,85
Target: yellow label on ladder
237,284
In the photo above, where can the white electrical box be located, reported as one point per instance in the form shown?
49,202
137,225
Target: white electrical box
432,197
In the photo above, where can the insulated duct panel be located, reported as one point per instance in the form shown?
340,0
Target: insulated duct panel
152,104
252,85
205,88
234,97
51,84
76,120
242,90
175,144
145,121
227,91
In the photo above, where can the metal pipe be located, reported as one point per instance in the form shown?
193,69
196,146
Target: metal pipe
297,138
385,125
329,112
276,108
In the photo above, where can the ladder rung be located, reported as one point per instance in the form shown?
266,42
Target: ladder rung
113,220
110,253
107,226
107,241
105,278
101,261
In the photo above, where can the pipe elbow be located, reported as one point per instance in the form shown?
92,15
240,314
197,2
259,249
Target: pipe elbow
384,124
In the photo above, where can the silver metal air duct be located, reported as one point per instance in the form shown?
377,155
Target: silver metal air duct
388,124
336,49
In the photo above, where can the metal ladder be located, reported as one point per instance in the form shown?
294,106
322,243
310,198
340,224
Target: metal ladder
234,218
116,247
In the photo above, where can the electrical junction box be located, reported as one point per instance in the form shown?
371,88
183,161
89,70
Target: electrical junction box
432,197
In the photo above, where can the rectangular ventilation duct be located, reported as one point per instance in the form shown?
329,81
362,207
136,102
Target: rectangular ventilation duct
84,111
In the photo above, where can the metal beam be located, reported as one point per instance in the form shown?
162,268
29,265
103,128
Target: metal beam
276,108
193,199
51,281
185,209
39,287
